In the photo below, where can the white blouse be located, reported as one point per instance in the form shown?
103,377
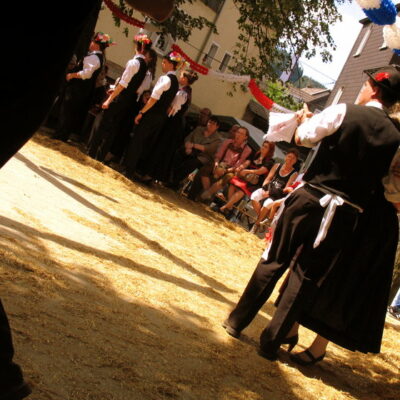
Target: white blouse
90,64
131,68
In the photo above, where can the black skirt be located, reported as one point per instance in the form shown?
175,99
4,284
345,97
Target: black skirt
159,163
349,309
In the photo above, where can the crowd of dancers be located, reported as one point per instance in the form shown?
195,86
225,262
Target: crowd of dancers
136,124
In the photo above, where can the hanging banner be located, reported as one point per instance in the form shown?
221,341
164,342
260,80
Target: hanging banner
229,77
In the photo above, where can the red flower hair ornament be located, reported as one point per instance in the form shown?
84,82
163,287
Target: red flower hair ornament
379,77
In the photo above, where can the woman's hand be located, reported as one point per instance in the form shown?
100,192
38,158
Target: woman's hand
70,76
138,118
106,104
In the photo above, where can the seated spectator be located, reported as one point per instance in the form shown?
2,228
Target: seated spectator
199,149
249,176
203,117
231,133
214,176
275,186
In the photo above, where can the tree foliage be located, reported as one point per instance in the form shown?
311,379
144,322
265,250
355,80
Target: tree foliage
179,26
306,81
295,26
298,26
279,92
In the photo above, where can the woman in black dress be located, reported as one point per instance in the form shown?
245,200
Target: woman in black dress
122,137
158,165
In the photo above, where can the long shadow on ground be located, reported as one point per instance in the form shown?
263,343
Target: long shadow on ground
154,245
78,338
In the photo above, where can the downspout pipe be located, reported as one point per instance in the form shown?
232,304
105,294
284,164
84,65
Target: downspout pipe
207,38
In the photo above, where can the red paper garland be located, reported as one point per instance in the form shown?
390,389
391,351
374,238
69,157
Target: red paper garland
194,65
264,100
121,15
259,95
254,89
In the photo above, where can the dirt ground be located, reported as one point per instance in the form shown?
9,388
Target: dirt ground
118,291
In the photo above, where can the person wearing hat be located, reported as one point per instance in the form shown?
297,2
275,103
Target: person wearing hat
120,103
151,118
159,164
80,88
338,233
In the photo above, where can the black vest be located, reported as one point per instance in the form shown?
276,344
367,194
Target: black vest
161,106
87,86
129,94
352,161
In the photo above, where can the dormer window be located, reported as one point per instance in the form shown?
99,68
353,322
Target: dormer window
363,41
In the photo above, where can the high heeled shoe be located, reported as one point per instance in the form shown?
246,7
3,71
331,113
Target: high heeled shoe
291,341
312,360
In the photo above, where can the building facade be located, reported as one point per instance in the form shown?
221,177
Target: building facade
212,50
369,51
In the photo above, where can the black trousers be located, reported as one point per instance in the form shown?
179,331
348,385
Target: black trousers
292,247
144,138
103,135
183,164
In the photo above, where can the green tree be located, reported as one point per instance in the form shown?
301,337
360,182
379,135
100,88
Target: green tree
180,25
306,81
277,91
298,26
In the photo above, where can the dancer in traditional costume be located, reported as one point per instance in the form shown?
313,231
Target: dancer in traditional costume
159,163
119,105
338,233
152,117
80,89
122,138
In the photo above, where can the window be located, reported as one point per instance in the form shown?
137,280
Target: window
225,62
161,43
215,5
338,95
207,59
363,41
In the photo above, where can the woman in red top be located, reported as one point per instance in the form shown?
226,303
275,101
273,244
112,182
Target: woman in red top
258,166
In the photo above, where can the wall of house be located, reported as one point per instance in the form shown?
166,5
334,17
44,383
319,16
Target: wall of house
372,55
207,91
